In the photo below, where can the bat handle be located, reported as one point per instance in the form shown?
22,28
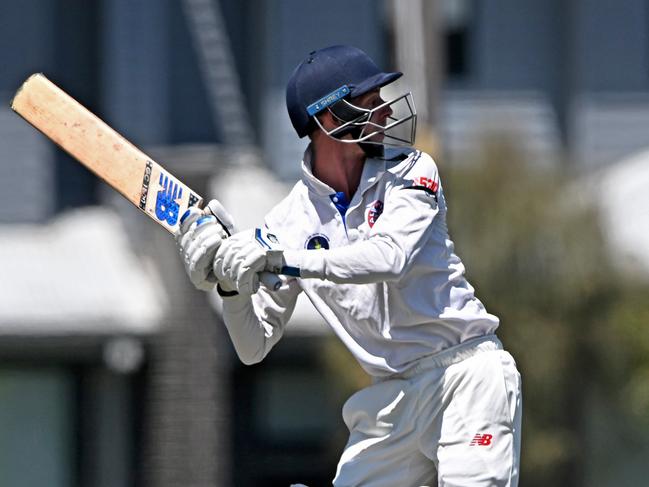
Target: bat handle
270,280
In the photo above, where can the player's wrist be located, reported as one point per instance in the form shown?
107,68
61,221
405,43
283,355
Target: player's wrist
303,263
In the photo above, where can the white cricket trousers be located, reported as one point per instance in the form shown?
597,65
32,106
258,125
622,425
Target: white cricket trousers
457,412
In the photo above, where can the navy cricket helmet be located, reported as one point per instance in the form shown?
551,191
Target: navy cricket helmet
330,77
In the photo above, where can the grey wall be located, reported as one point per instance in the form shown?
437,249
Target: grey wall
518,45
581,45
24,26
611,45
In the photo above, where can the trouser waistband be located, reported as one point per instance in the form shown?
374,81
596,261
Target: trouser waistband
452,355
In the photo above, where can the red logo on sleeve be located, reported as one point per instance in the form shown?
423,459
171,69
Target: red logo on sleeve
429,183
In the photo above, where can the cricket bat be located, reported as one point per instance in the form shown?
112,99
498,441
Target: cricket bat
92,142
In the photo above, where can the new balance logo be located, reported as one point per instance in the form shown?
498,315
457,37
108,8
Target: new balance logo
481,440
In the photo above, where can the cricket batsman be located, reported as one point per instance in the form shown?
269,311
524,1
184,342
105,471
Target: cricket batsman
363,234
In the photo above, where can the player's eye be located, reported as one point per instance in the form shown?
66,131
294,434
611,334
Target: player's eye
376,101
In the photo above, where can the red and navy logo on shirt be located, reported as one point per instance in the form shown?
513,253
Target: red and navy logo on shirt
375,212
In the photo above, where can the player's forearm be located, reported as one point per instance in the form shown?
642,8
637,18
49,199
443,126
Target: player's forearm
252,338
376,260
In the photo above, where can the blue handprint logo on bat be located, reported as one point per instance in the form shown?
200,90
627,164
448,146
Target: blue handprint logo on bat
166,208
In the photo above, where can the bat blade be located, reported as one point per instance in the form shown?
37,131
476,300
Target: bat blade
93,143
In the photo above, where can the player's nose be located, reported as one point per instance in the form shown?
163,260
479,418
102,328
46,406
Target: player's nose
385,111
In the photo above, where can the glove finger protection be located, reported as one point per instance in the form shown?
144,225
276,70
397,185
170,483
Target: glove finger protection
198,237
181,235
223,261
195,249
205,230
199,255
253,263
238,261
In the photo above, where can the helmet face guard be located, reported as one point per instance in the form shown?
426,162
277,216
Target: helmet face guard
356,122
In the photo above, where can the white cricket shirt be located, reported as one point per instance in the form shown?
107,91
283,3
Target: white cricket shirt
381,270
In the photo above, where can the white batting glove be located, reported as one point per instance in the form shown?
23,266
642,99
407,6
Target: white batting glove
198,237
238,261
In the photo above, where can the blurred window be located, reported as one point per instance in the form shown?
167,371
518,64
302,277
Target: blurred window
457,17
286,401
37,430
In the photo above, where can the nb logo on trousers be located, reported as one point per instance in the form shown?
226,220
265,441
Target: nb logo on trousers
481,440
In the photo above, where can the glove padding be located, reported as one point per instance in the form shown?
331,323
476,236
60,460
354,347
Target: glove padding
238,261
198,237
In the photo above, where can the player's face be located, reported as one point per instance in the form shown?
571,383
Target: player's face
371,100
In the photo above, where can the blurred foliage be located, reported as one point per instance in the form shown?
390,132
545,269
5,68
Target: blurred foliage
577,327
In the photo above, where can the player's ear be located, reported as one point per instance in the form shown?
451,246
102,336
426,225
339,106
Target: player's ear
314,126
327,120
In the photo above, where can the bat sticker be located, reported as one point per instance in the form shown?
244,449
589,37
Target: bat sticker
145,184
166,207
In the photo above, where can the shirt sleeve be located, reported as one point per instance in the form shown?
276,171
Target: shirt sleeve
394,240
256,323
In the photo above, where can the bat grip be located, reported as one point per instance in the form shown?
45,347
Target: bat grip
270,280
